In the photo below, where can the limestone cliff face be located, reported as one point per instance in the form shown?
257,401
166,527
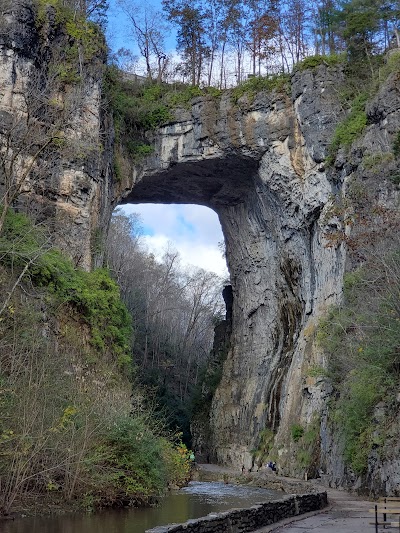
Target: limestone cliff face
260,165
70,182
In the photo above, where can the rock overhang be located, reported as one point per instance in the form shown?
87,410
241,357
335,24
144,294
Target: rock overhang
216,182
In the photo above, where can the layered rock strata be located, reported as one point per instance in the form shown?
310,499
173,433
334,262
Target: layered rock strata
260,164
69,185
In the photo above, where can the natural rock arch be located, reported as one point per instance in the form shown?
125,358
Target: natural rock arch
260,166
259,163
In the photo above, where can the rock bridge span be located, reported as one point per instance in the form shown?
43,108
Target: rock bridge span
259,165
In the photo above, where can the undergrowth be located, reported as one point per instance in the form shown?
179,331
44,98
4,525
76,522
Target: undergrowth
252,86
94,295
317,60
70,432
362,340
85,40
351,127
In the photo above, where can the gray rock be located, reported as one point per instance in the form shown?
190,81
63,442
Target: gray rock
260,165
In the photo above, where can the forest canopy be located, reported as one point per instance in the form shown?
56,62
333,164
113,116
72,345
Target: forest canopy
222,42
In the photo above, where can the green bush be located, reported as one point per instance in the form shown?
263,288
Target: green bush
361,340
396,145
252,86
297,432
365,387
392,66
132,459
135,463
93,294
266,440
304,458
395,179
351,127
317,60
374,161
85,39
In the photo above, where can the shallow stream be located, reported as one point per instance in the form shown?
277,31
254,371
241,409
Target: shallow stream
196,500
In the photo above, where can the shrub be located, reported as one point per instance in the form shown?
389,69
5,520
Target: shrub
131,458
177,461
183,95
252,86
84,40
351,127
297,432
395,179
361,340
136,464
374,161
317,371
392,66
396,145
317,60
266,439
94,295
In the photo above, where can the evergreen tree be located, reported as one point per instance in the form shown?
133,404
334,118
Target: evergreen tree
360,24
189,18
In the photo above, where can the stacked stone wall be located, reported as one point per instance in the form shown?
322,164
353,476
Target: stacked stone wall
251,519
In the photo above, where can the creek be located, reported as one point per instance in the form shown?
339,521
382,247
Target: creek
196,500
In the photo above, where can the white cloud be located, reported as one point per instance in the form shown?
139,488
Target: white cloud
193,230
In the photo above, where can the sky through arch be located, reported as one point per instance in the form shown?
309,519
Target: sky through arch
193,230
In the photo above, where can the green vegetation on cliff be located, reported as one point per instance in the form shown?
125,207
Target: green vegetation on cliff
362,340
84,40
69,430
94,295
357,90
140,106
361,337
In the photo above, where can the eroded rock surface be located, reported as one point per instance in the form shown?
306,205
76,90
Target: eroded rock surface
260,164
69,186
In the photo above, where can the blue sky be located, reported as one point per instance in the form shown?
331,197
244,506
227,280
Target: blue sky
193,230
118,28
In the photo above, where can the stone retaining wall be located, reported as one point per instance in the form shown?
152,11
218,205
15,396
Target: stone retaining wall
264,479
246,520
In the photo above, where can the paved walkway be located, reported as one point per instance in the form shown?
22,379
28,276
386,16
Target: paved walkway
346,513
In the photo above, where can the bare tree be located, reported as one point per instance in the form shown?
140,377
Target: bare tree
174,309
25,137
149,32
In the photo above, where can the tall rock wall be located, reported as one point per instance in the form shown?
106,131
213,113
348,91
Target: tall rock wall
70,181
260,164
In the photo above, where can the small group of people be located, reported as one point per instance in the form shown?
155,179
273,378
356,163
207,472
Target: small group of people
270,464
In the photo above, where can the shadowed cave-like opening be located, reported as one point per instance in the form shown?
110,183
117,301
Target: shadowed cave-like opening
188,188
252,216
210,182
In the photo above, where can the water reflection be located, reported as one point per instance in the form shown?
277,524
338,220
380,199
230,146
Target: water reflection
195,500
